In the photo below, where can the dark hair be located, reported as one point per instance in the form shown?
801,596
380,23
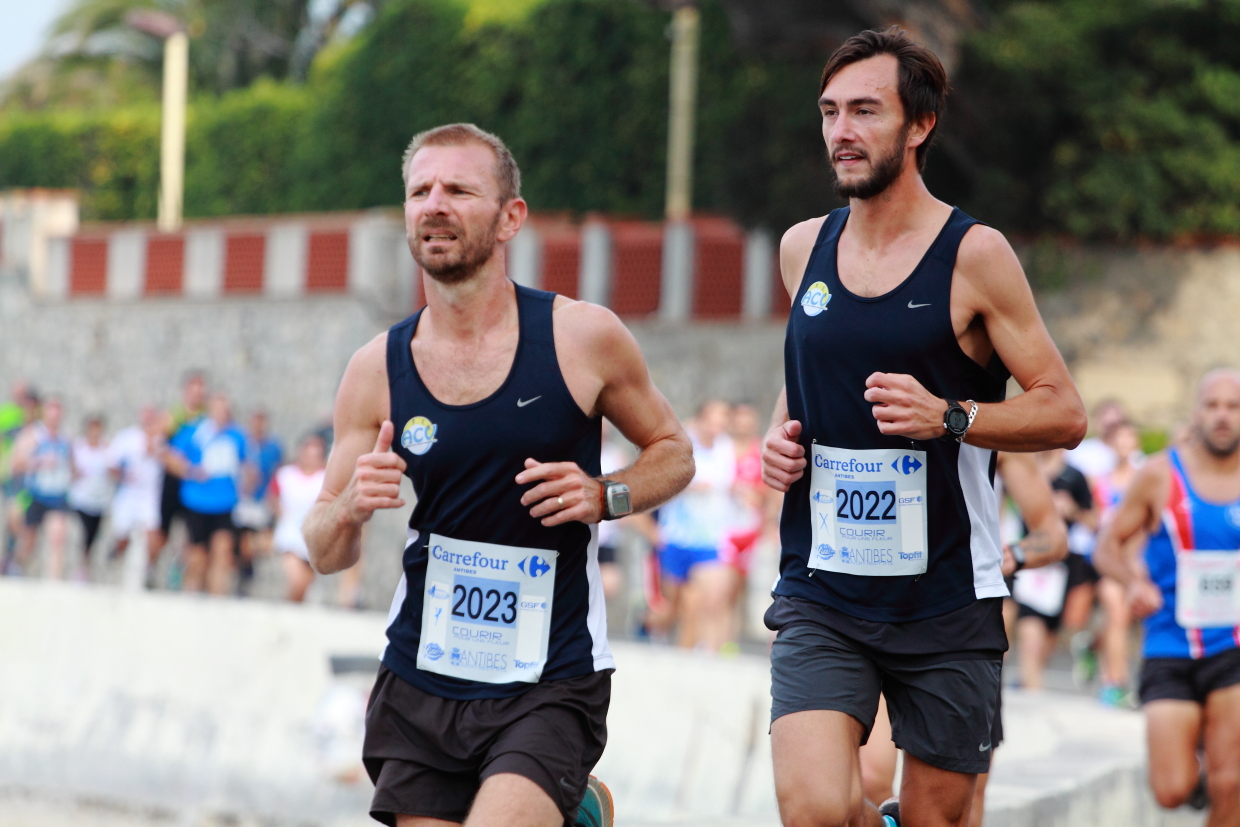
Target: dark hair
923,80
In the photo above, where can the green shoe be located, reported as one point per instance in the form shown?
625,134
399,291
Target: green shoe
596,809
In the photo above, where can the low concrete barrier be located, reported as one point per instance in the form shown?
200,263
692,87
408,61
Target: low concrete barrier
172,708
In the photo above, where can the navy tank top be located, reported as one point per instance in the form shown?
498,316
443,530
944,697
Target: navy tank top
462,461
835,340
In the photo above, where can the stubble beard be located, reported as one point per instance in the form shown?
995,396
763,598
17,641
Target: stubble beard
475,251
883,174
1219,450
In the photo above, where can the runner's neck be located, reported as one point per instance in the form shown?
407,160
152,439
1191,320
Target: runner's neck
470,309
874,224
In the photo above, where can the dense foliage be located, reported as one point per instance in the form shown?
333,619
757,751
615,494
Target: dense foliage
1107,118
1096,118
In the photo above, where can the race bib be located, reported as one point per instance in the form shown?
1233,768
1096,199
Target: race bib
869,511
1205,589
1042,589
486,615
220,458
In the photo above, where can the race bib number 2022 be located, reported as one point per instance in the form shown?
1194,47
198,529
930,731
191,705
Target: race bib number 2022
869,511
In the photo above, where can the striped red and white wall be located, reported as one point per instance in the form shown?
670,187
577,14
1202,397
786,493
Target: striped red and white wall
708,268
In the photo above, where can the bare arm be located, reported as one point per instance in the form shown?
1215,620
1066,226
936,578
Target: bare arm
363,475
606,357
992,309
1117,551
1047,540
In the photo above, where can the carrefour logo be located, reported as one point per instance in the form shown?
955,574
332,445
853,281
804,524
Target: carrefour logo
815,299
418,436
534,566
905,465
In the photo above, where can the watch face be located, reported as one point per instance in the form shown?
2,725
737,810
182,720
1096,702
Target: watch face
618,500
957,420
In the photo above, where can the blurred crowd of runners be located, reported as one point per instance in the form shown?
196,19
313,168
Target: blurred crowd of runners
237,494
241,497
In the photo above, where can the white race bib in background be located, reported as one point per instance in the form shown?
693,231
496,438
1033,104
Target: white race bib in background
1042,589
1206,593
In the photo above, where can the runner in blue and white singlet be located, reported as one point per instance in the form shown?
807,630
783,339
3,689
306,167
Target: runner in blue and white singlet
44,455
1186,584
496,677
907,317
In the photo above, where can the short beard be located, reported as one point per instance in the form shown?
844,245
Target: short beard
474,253
1218,451
886,170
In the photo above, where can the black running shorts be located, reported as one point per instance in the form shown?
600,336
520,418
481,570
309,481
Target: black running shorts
944,709
1185,679
427,755
201,527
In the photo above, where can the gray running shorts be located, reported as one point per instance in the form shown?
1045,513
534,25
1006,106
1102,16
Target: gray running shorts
944,712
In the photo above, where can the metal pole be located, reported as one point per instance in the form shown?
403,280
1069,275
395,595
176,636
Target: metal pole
172,132
685,26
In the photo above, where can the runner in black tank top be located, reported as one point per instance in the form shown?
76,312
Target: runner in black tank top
492,699
907,317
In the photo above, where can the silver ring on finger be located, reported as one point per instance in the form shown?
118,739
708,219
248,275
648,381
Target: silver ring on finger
560,500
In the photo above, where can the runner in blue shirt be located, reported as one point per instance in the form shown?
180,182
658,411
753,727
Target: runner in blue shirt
208,457
1186,501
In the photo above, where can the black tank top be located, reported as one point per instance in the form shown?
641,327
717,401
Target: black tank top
835,340
462,461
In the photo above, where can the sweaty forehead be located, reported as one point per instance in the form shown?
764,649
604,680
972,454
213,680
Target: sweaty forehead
466,164
874,77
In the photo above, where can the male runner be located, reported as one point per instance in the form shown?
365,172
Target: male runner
1186,500
44,454
907,316
490,708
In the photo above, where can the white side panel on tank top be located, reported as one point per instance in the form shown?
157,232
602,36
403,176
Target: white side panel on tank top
596,616
402,589
984,544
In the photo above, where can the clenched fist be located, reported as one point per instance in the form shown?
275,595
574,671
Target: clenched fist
783,458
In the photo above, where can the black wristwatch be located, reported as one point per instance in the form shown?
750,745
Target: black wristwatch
956,421
616,500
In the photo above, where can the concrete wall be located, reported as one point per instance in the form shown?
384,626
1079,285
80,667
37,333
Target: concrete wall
191,710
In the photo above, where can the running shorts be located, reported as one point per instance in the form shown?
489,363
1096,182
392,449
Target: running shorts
428,755
38,509
1185,679
606,554
676,561
944,708
133,510
202,526
737,548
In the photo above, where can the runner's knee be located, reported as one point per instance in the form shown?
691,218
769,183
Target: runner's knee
1224,784
1172,791
819,806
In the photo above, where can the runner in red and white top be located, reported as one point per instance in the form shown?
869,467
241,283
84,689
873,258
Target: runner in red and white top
293,490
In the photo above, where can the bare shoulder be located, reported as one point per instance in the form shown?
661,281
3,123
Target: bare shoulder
1151,480
795,249
588,328
800,238
986,258
363,395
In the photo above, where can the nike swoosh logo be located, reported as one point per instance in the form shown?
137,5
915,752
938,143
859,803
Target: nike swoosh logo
521,403
912,306
983,747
